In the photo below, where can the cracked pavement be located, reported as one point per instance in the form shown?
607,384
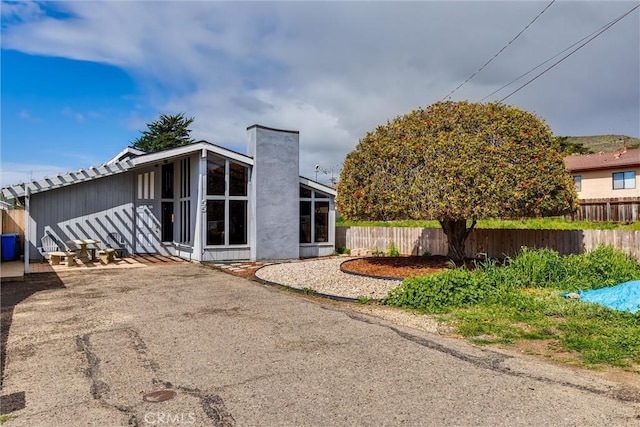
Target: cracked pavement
84,348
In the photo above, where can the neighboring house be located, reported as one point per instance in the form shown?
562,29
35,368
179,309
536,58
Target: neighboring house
200,202
608,184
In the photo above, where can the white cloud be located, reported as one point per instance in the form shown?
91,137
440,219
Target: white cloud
20,10
26,115
335,70
14,173
68,112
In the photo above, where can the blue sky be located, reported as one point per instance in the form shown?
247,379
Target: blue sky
80,80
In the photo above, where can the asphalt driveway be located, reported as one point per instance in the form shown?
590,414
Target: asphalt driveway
87,348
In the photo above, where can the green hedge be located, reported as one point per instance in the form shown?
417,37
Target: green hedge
532,268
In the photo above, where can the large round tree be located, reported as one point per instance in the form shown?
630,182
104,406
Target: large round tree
456,162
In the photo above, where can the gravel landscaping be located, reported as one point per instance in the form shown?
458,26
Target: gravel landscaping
324,276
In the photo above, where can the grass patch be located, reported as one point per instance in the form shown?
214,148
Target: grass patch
519,224
5,418
521,301
363,300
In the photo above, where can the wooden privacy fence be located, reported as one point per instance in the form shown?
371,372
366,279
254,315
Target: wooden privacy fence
619,210
493,242
13,221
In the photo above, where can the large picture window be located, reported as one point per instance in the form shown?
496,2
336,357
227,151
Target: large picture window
624,180
314,216
227,205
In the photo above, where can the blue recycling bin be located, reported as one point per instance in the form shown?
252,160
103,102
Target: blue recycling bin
10,247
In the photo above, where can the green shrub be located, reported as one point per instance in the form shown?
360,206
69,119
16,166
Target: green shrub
392,250
440,291
491,283
343,250
603,266
536,268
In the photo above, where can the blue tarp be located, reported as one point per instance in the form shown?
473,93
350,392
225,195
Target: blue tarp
622,297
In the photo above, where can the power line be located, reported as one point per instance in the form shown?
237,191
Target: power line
606,27
499,52
541,64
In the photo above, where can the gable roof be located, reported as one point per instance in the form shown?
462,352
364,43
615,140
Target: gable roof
190,149
126,160
127,153
613,160
129,159
317,186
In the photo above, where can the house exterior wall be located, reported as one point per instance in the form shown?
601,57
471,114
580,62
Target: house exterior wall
598,184
274,216
310,251
225,254
131,203
84,210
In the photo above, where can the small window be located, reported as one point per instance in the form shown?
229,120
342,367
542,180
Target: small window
305,192
624,180
577,182
215,176
167,181
146,188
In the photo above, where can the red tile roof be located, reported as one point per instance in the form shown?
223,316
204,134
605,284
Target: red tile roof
615,160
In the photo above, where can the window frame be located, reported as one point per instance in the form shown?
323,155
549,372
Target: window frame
184,202
621,177
577,182
226,198
167,218
319,197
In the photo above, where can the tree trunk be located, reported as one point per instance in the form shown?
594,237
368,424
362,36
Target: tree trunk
457,233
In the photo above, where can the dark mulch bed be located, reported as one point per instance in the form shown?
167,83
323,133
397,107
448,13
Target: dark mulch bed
403,266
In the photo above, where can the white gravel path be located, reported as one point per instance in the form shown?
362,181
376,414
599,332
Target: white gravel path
324,276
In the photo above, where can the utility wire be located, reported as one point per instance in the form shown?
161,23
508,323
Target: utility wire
499,52
541,64
606,27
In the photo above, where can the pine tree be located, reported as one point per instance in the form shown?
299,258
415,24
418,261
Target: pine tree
169,131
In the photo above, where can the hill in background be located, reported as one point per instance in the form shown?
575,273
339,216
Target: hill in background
596,143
